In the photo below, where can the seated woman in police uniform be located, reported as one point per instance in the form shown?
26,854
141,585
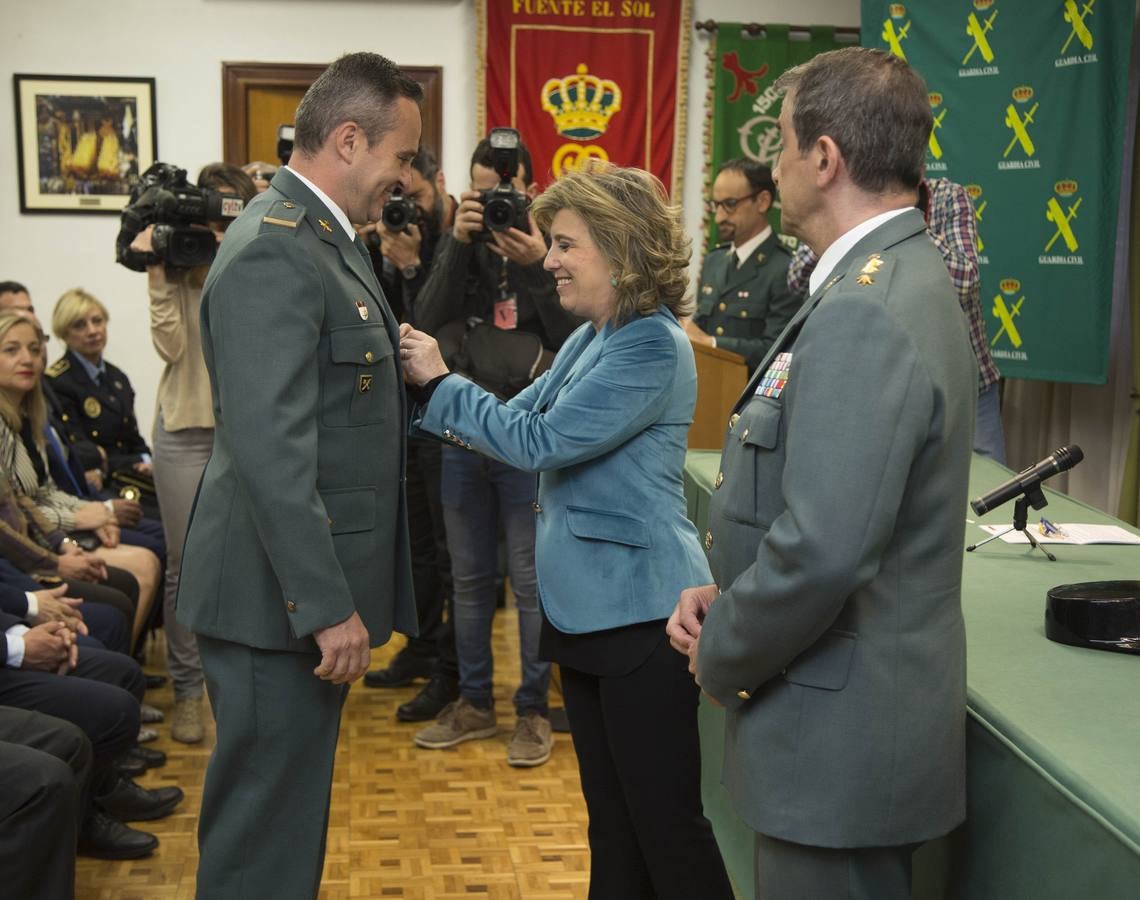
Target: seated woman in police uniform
96,397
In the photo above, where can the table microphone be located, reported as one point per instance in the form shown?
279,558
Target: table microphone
1028,479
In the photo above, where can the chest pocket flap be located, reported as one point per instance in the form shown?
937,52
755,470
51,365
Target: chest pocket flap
362,345
763,426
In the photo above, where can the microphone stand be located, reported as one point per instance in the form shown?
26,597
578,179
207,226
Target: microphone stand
1032,497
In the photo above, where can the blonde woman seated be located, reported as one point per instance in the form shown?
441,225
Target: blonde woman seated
23,461
606,429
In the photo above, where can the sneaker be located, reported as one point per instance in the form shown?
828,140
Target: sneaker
146,735
459,722
532,742
186,727
148,714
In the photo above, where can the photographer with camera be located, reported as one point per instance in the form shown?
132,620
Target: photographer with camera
184,419
498,318
402,245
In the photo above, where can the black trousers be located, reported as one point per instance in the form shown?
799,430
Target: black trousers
101,696
120,590
45,773
639,757
431,563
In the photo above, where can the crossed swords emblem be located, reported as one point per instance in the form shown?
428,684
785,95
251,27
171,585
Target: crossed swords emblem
935,145
1076,18
894,38
1061,219
978,30
1014,120
1007,314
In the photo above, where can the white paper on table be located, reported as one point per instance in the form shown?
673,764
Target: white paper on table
1073,533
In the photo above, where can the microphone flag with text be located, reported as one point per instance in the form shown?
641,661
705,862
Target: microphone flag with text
1028,481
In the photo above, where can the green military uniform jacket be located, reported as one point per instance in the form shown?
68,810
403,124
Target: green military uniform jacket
835,537
301,515
745,308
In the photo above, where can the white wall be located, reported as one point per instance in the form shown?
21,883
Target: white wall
182,43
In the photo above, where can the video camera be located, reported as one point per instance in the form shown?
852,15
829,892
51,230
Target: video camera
504,208
181,213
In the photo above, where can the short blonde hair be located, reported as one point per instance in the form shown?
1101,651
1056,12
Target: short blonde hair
31,406
636,229
72,306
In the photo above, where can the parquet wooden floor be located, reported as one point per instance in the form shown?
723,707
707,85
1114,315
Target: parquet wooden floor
405,822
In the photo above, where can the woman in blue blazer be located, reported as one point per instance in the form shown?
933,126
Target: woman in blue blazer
606,428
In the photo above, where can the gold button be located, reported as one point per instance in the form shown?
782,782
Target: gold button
330,521
744,314
536,506
64,417
719,330
744,695
732,420
708,540
368,356
744,436
291,606
94,434
719,481
722,306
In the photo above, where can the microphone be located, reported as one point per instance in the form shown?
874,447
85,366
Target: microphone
1029,479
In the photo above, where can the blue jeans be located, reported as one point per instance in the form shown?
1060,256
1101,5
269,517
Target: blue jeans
478,493
989,439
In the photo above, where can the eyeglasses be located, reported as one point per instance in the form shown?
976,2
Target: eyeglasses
729,204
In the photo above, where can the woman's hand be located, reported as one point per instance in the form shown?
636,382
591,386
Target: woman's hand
82,566
420,356
143,468
109,535
93,515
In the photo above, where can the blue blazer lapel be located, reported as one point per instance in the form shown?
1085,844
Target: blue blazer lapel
565,364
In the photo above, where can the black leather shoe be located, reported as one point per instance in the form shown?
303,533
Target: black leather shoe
132,802
104,837
429,702
138,759
403,670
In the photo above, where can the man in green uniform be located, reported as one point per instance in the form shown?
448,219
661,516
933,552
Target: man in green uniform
744,302
833,633
297,559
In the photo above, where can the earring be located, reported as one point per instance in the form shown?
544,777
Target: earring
613,281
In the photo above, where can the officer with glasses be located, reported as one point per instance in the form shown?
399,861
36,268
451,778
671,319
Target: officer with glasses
743,302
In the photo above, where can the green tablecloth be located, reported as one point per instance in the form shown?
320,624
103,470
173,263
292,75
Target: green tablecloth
1053,733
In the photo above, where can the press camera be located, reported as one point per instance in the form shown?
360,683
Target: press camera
181,214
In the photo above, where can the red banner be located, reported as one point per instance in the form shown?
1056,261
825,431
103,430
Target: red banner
584,79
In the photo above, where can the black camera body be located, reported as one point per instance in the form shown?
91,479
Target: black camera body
504,207
399,212
181,213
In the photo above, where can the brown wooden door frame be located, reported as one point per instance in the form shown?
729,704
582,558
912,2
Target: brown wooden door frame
239,77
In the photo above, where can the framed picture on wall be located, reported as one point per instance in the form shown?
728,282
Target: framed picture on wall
82,141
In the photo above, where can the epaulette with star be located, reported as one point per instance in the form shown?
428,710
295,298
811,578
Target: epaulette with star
284,214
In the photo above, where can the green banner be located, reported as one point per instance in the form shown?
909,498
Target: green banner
1029,108
744,106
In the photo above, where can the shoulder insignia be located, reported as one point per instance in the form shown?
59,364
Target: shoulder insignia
283,214
57,368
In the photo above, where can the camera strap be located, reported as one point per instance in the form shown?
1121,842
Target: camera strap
507,306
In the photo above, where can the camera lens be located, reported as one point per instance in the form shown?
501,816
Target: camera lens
498,214
394,216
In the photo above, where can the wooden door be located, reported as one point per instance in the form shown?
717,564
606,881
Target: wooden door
258,97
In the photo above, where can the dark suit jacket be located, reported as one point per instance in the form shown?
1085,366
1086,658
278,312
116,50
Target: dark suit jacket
835,536
301,515
104,412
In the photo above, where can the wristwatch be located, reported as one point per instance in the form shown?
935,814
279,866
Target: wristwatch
411,271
